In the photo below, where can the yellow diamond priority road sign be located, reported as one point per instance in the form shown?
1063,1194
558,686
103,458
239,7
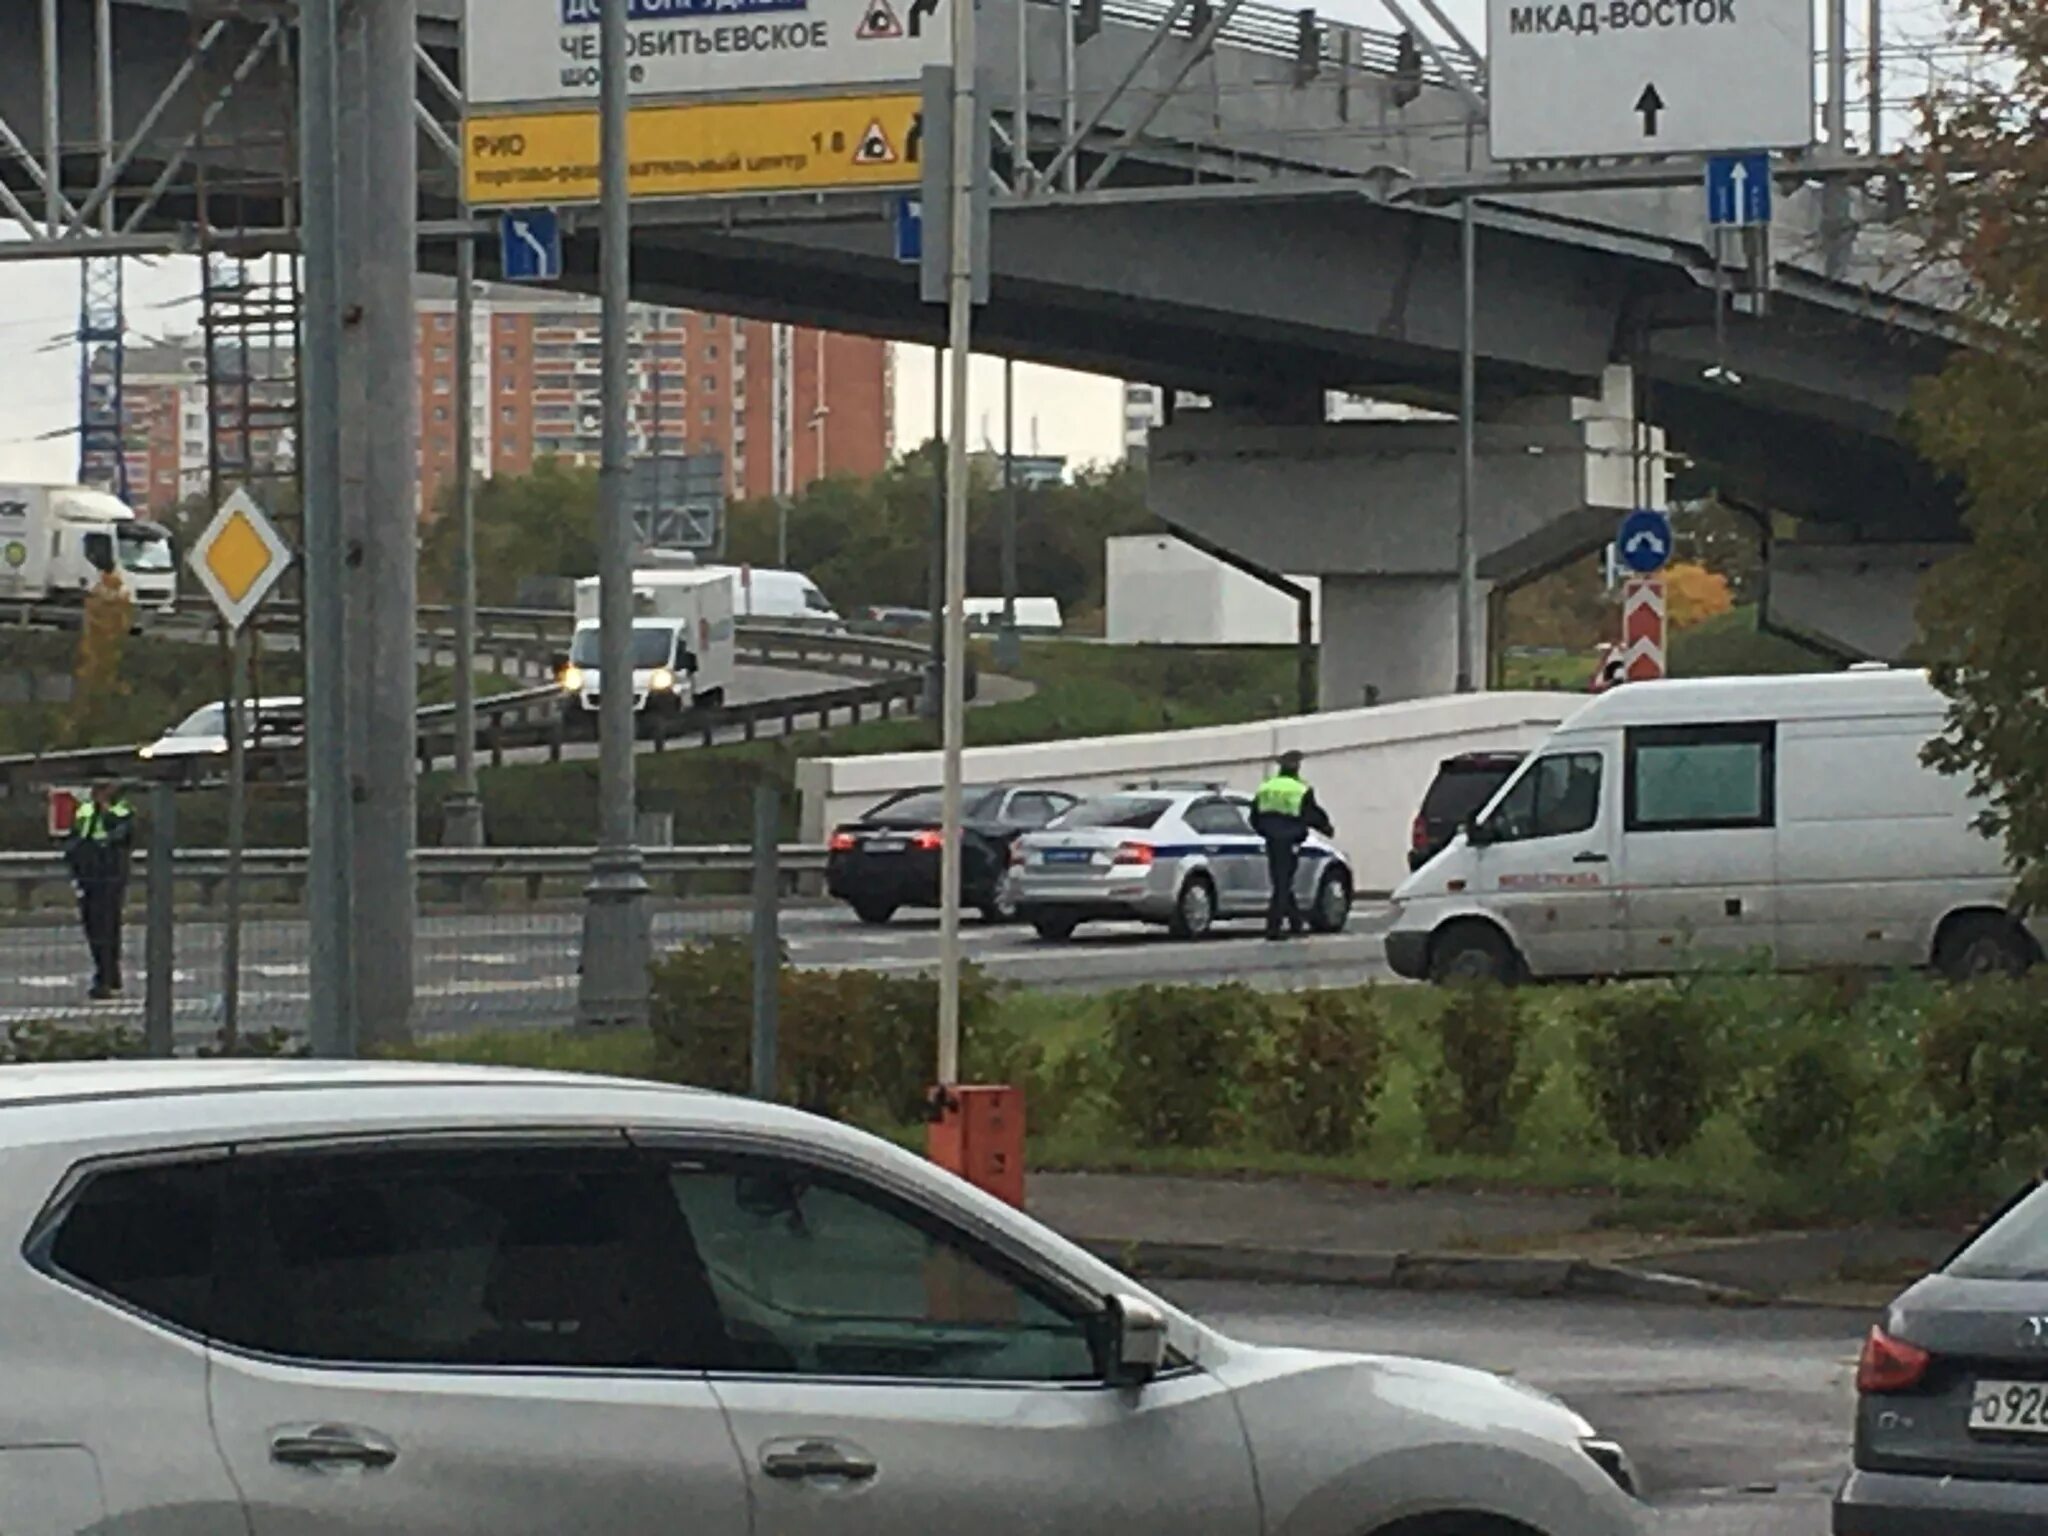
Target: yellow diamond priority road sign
239,558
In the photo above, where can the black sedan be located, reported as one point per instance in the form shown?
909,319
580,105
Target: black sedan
890,857
1952,1394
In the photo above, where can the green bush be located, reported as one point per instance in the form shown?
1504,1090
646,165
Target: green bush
702,1014
35,1041
1176,1053
1649,1064
1803,1097
1983,1067
1475,1092
1318,1084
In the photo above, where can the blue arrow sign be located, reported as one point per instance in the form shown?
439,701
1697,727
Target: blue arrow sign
1644,542
1738,191
530,245
906,215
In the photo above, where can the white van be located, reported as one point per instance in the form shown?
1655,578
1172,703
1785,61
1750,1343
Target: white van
1784,819
684,648
778,597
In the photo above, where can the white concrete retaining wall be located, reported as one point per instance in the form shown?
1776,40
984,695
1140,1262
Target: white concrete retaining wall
1370,767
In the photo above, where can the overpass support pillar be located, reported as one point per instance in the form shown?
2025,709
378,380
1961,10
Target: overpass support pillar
1372,508
1855,601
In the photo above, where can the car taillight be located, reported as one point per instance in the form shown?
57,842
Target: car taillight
1134,853
1418,833
928,841
1890,1365
1017,855
842,842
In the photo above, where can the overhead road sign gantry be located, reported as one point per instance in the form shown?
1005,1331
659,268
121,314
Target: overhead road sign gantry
1648,77
692,149
544,52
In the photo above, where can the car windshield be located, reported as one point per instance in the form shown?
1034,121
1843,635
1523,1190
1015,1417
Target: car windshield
1462,790
651,645
145,550
212,720
2014,1247
923,805
1129,813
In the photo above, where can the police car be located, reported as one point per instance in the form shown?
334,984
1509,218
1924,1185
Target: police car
1184,857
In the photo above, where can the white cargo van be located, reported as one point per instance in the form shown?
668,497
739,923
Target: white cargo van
683,644
778,597
1787,820
57,541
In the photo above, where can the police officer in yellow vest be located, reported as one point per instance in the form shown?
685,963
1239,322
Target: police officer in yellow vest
102,835
1284,812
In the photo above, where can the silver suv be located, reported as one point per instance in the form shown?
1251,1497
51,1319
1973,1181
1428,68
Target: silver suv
360,1301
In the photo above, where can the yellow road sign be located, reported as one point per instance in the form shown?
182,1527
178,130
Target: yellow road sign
694,149
239,558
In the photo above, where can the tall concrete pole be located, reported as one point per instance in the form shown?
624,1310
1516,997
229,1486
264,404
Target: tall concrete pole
352,175
53,125
329,814
1468,442
960,340
462,816
1006,638
935,585
612,987
387,812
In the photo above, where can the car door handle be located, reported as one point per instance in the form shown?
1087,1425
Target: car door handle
331,1445
1589,858
816,1458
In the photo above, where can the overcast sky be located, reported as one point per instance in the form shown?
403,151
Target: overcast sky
1071,414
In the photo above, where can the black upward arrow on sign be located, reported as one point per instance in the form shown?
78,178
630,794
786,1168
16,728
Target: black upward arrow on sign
920,9
1650,104
913,145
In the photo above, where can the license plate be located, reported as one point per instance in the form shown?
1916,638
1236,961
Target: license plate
885,845
2009,1408
1069,856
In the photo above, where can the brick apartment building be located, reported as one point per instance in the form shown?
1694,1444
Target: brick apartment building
700,384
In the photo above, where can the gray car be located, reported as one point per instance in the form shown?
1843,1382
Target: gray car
1186,858
298,1299
1952,1394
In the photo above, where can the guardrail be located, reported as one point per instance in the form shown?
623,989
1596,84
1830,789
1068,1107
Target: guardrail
532,717
463,873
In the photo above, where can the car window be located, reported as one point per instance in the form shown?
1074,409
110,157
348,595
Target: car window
1034,809
535,1257
1462,790
927,805
144,1236
1128,813
834,1279
1219,818
1559,795
2013,1247
1701,777
814,600
208,720
652,644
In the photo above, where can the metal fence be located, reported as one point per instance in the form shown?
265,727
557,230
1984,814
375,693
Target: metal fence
496,944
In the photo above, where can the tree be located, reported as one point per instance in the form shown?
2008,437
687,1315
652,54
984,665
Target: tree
539,524
1983,200
1693,594
102,638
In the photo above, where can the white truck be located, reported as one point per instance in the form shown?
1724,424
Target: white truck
683,644
58,541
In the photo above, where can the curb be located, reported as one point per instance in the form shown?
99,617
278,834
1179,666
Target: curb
1412,1272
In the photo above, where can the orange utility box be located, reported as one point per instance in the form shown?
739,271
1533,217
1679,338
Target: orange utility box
978,1132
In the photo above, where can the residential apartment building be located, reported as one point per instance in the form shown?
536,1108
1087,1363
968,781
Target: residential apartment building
781,405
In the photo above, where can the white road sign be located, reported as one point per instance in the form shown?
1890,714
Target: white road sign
1648,77
530,52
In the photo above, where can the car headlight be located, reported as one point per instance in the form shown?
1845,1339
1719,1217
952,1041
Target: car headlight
661,680
147,752
572,679
1610,1458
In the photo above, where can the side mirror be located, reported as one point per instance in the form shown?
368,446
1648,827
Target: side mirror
1476,834
1137,1341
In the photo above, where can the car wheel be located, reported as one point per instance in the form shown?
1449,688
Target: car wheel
874,913
1983,944
1473,953
1055,930
1194,914
1332,908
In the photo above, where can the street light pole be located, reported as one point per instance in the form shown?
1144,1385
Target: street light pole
612,988
1006,638
462,816
959,329
1468,441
